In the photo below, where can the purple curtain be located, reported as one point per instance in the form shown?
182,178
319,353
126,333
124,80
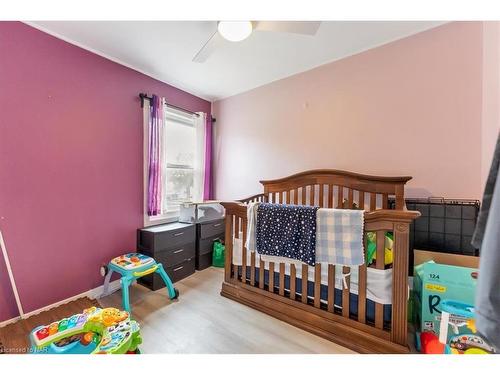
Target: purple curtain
154,150
207,183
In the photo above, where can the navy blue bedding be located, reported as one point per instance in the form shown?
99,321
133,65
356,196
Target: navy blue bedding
353,300
284,230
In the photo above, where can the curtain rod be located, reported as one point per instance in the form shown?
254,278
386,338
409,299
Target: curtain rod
146,97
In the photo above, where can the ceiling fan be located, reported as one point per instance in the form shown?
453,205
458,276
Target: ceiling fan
236,31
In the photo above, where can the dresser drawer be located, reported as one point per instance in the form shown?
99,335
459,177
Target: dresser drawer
203,261
176,273
210,229
205,245
176,255
165,237
182,270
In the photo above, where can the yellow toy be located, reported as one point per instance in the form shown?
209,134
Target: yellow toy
371,252
108,316
111,316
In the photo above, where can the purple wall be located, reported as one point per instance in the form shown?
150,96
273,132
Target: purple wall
70,163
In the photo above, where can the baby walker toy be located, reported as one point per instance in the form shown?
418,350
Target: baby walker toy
133,266
459,315
95,331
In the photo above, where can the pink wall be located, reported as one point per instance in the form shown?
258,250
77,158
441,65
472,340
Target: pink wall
411,107
70,163
491,95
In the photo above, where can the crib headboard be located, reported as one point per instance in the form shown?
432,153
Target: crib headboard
335,188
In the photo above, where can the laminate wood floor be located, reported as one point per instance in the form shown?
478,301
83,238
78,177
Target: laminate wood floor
202,321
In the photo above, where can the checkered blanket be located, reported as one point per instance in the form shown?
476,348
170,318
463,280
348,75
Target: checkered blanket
339,236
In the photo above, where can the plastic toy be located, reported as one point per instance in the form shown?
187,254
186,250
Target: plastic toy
131,267
430,344
371,248
460,315
95,331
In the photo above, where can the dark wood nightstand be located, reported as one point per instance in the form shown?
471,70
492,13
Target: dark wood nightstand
173,245
206,234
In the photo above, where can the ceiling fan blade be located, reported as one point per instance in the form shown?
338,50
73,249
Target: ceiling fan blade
295,27
208,48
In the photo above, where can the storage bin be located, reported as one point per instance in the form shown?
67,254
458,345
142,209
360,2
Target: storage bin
445,225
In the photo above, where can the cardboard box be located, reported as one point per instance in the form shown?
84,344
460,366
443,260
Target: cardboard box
440,276
422,256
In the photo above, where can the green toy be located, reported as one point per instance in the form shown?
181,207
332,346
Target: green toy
371,247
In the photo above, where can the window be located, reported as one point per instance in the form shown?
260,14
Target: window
180,163
181,148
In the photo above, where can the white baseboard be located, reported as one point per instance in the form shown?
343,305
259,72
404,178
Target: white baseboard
9,321
97,292
92,294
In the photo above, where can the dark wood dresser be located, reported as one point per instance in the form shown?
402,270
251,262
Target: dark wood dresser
174,245
206,234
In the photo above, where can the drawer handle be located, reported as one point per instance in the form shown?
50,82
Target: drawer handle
178,268
178,251
178,234
216,225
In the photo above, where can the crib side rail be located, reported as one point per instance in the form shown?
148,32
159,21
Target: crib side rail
390,215
248,274
254,198
236,220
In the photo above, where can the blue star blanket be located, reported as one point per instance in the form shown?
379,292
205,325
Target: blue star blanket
287,231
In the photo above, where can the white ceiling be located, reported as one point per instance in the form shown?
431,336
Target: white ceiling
164,49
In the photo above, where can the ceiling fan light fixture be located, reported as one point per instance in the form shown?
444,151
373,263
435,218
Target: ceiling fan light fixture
234,31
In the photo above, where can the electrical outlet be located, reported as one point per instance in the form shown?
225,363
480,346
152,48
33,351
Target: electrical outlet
103,270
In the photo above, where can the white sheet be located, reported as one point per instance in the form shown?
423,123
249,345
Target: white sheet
378,284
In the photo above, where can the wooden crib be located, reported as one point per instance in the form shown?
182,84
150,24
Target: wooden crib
246,283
